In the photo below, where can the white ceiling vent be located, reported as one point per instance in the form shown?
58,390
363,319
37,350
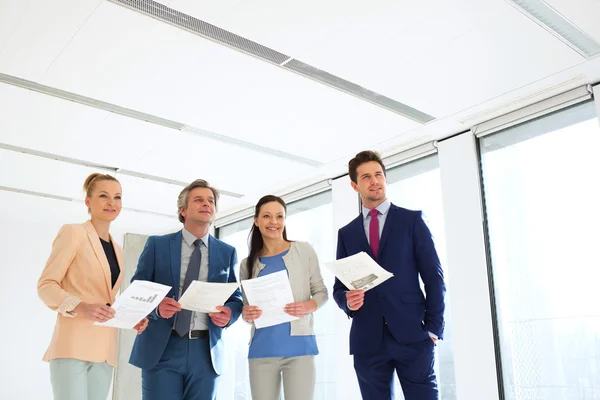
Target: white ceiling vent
221,36
557,24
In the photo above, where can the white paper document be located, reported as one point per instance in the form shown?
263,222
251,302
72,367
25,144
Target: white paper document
271,293
206,296
359,271
135,303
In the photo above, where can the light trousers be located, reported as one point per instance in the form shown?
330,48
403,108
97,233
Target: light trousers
297,374
74,379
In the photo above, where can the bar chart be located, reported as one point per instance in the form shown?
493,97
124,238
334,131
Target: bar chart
150,299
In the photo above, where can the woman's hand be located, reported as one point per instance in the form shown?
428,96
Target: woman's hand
251,313
141,326
95,312
301,308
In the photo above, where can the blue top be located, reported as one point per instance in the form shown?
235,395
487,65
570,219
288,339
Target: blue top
276,341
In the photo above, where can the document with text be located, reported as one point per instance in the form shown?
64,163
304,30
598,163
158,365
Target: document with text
135,303
271,293
359,271
206,296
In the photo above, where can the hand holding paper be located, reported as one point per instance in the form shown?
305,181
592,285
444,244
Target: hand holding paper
359,271
251,313
135,303
270,293
206,296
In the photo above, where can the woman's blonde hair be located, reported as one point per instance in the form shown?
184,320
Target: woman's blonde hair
90,182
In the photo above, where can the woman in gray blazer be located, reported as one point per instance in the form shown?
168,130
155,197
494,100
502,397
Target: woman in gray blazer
286,351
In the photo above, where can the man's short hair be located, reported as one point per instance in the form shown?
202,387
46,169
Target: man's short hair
361,158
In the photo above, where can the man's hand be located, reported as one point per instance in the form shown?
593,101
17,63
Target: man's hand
355,299
141,326
168,307
222,317
300,308
95,312
251,313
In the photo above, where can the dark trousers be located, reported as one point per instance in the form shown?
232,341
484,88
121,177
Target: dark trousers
413,363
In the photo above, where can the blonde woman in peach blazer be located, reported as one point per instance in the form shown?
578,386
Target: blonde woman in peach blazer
80,281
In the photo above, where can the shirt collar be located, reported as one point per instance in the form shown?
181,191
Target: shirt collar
383,208
189,238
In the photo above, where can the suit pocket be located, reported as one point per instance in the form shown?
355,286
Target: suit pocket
221,276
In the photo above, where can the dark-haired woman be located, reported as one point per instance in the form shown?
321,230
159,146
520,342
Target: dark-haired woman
283,352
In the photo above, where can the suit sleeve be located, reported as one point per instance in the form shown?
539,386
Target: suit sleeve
235,300
49,287
145,268
339,289
430,269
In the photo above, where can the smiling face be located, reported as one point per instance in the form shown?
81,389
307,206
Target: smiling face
200,206
370,184
104,202
271,220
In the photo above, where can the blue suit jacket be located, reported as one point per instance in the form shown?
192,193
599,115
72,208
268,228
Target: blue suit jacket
406,249
160,262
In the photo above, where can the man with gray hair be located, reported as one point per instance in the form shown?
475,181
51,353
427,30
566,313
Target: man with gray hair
180,352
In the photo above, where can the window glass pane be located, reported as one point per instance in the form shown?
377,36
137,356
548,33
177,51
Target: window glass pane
417,186
540,183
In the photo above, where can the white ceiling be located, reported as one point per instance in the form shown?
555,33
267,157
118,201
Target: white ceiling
461,61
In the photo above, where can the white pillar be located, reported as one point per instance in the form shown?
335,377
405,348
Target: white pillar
345,205
474,354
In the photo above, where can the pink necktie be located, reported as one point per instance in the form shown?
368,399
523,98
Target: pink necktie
374,232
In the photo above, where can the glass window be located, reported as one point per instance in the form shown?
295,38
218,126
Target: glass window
417,186
540,183
309,220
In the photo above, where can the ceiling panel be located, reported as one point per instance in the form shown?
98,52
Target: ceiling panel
188,157
11,13
24,208
43,175
41,34
289,26
437,56
57,178
582,13
159,197
492,49
191,80
69,129
145,194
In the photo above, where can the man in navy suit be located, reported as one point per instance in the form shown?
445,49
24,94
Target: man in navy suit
180,352
394,326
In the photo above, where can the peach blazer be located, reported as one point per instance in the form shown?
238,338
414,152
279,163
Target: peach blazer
78,269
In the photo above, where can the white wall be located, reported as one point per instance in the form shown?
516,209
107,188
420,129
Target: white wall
28,225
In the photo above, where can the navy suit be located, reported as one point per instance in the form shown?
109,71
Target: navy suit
160,262
390,331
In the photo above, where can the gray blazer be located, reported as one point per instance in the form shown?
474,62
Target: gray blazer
305,279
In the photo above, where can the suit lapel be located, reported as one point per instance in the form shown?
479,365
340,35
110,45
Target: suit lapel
213,248
176,262
99,251
359,227
387,228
